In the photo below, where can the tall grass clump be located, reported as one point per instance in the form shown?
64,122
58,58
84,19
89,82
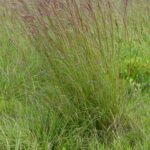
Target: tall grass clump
79,43
75,97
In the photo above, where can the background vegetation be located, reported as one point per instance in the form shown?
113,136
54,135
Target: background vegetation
74,74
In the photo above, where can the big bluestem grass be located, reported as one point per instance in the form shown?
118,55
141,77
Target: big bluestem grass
80,45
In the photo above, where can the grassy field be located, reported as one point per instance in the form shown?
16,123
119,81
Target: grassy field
75,75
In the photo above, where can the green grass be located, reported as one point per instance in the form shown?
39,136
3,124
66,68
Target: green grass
75,78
